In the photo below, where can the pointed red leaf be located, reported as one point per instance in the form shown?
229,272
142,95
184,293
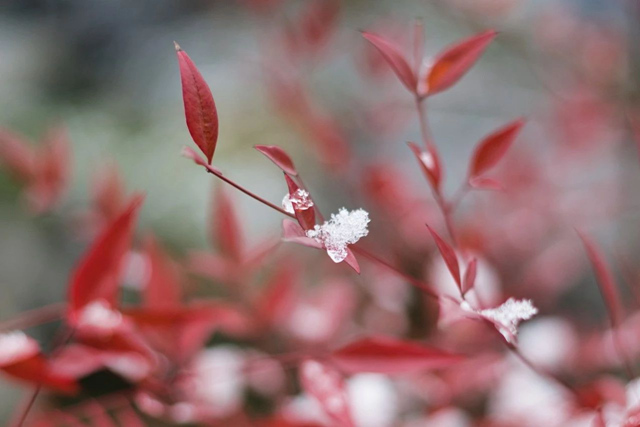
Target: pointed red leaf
21,358
163,289
96,276
352,261
387,355
493,147
199,107
449,256
395,59
189,153
275,302
326,385
606,282
225,231
292,232
429,162
17,155
455,61
483,183
279,157
469,276
306,217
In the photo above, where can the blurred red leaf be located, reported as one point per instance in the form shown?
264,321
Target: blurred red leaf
483,183
279,157
449,256
275,302
318,22
96,276
493,147
454,62
16,155
606,282
225,231
199,107
469,278
387,355
326,385
21,358
429,161
163,289
108,191
395,59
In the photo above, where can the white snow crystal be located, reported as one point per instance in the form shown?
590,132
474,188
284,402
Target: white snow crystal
300,200
344,228
509,315
15,346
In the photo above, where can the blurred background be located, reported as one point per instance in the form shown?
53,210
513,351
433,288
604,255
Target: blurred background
107,72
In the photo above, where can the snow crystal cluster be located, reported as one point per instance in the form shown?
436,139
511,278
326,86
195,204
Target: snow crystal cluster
344,228
16,346
509,315
300,200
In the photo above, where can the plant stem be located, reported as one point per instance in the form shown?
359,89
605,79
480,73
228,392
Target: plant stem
422,286
445,207
251,194
415,282
30,318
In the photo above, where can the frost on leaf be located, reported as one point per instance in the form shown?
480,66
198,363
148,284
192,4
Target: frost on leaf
344,228
508,316
299,200
16,346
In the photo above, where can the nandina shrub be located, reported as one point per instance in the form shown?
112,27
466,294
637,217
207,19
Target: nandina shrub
398,309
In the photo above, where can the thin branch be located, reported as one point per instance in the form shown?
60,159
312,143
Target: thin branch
30,318
250,194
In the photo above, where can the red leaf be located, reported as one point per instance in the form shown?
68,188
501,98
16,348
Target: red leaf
225,231
108,191
275,302
430,164
606,282
36,370
17,155
456,60
395,59
163,289
387,355
493,147
292,232
352,261
482,183
449,256
469,276
97,274
20,357
326,385
199,107
278,156
306,217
